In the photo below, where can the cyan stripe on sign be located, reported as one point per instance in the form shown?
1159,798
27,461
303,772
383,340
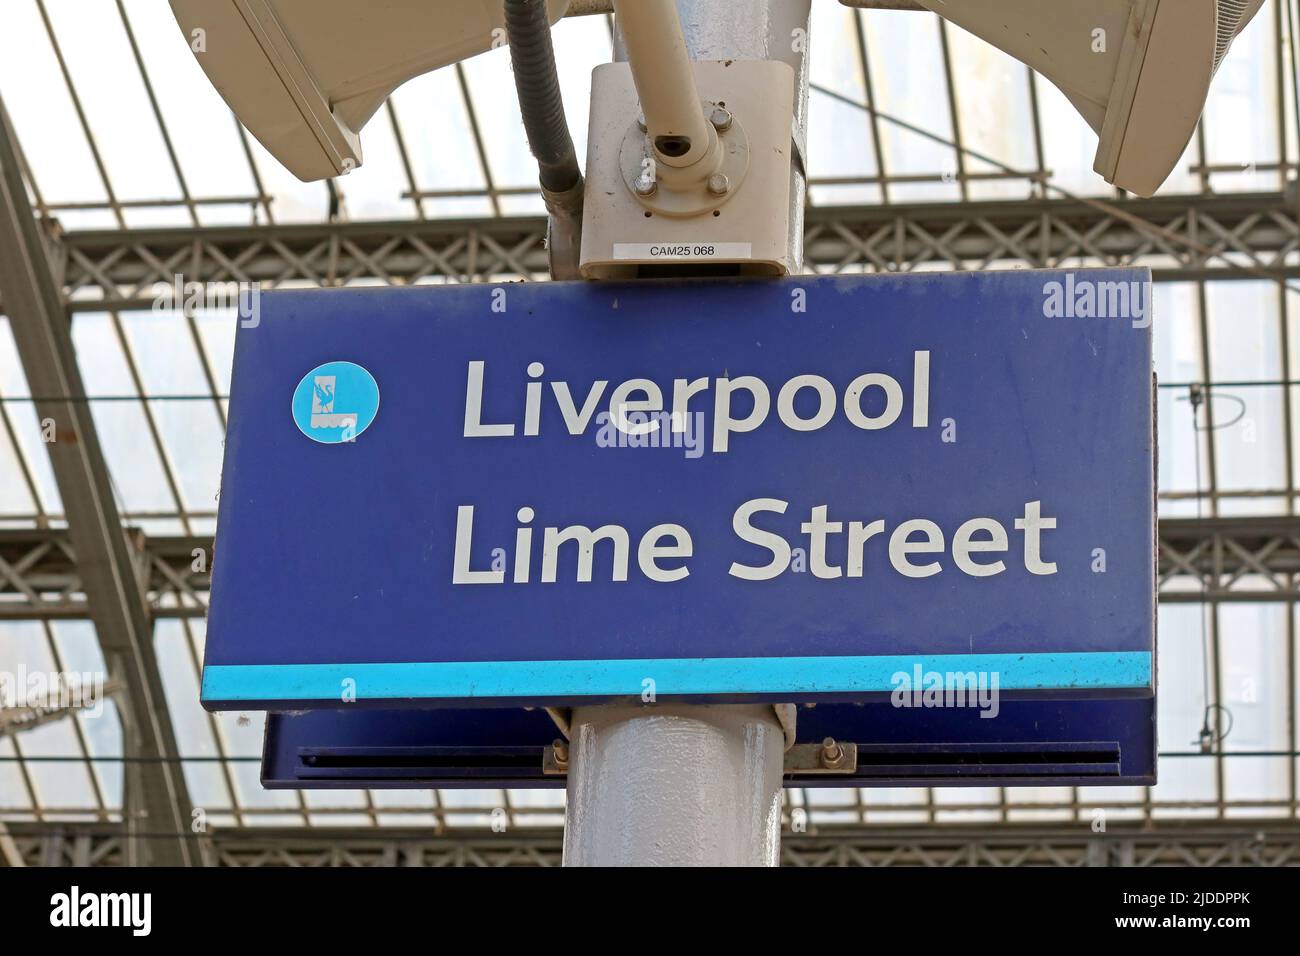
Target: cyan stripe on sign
685,676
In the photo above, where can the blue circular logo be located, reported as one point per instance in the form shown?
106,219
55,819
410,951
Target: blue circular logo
335,402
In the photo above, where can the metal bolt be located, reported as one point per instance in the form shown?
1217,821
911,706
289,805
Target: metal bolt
832,753
646,185
561,748
720,118
719,184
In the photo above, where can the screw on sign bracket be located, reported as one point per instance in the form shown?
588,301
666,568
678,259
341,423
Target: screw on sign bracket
828,757
686,191
555,759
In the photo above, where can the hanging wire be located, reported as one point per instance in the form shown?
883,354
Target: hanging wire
1206,738
1204,394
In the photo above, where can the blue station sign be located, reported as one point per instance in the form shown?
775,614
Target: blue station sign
813,489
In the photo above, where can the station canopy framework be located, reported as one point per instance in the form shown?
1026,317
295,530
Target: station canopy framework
927,149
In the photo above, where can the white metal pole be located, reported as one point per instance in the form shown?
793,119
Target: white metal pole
679,785
661,67
663,785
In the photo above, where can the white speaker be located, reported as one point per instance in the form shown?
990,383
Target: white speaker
1139,71
304,76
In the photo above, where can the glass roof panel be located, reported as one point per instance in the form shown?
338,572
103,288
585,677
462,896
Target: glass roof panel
292,200
217,332
95,47
1069,143
1245,346
910,81
1182,653
1177,348
994,111
23,431
840,140
15,794
206,140
42,111
439,141
581,44
15,496
205,778
490,86
371,192
1254,688
124,427
1242,119
188,423
58,784
58,774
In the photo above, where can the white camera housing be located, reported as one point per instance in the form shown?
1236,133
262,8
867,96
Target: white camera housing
747,229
